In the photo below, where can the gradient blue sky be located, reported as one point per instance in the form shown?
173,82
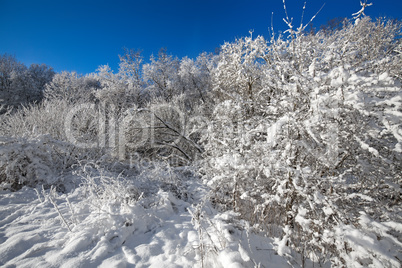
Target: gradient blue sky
81,35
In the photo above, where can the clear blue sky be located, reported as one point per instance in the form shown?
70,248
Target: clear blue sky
81,35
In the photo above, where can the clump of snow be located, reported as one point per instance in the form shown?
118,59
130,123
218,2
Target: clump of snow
300,218
339,76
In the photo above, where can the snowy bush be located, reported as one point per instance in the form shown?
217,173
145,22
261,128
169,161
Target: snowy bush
317,146
102,188
33,120
106,182
73,123
34,161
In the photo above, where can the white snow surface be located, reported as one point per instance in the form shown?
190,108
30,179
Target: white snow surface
156,231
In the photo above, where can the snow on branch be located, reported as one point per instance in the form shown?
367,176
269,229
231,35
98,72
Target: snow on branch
289,22
359,13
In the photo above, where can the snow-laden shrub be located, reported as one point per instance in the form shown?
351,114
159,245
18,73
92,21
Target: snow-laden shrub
34,161
370,45
320,145
73,123
103,188
33,120
108,183
40,160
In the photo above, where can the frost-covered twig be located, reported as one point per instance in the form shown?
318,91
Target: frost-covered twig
359,13
302,28
203,247
52,190
72,211
38,195
289,22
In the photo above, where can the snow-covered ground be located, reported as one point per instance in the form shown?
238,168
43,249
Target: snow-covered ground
157,231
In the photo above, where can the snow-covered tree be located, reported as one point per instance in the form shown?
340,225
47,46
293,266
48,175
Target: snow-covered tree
71,87
130,68
239,72
195,75
22,85
162,76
